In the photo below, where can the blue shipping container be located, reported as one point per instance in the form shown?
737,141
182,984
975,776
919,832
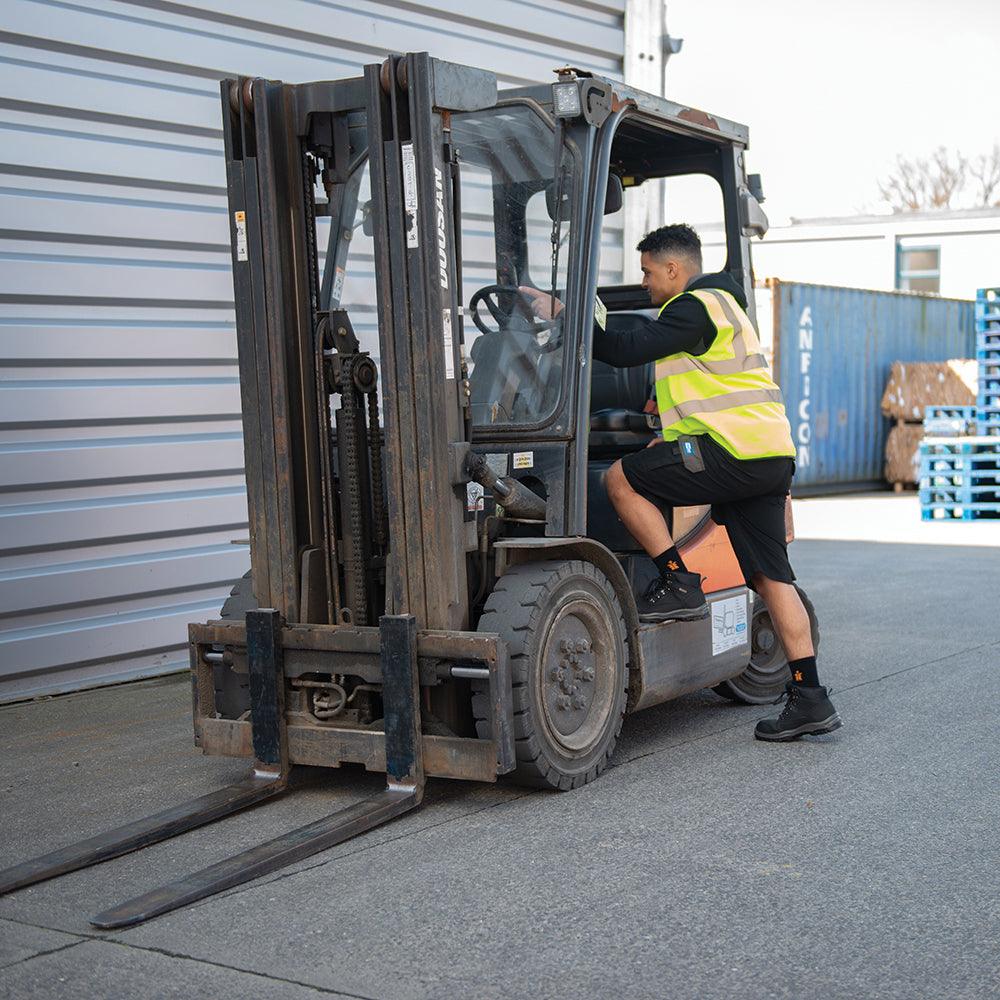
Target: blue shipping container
833,348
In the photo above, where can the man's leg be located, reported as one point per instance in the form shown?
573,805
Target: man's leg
642,517
809,709
789,616
677,594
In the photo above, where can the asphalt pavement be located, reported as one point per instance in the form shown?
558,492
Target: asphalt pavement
703,864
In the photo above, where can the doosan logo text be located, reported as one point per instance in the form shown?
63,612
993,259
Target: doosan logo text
442,232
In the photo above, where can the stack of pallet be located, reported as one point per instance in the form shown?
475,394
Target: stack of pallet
959,479
960,476
988,360
912,389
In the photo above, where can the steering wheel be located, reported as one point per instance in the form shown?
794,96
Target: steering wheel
491,296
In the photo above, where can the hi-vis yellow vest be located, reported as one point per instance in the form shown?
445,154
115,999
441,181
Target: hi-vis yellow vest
728,392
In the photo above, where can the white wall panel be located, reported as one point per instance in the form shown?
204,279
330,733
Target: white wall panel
121,480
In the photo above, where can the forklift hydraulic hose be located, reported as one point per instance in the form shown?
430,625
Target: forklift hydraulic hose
516,498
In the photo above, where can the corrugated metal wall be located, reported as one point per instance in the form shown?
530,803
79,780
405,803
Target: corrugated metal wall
120,447
833,350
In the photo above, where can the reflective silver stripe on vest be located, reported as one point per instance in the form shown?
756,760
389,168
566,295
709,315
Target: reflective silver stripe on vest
740,362
727,401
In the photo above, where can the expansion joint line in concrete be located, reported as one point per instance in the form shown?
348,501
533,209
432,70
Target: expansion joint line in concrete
38,954
166,953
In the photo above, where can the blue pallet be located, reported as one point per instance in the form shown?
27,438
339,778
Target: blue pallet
948,421
960,512
951,412
959,495
959,446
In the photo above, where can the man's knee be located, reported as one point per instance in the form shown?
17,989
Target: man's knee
616,483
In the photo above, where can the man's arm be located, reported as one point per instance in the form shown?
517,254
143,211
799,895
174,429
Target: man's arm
635,340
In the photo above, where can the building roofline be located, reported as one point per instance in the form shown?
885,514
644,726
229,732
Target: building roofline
903,217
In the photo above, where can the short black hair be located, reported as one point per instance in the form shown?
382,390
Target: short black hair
679,239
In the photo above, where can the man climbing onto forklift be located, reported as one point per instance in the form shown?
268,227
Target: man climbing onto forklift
725,441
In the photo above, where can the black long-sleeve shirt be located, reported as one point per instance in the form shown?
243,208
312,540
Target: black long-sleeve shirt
683,325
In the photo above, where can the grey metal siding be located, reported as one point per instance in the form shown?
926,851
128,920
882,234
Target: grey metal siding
120,447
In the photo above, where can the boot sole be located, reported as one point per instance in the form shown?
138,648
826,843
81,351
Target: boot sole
680,615
809,729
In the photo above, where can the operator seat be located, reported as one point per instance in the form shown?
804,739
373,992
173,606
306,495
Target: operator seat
618,399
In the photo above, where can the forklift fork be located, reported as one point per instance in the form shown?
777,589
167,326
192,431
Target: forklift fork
403,792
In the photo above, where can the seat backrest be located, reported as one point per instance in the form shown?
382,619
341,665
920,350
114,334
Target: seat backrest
620,388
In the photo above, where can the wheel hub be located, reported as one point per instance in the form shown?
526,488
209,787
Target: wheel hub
576,688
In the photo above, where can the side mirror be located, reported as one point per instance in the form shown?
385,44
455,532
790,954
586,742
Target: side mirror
752,218
614,196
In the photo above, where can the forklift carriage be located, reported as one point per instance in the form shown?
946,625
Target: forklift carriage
439,585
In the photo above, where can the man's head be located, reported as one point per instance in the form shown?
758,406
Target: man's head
670,258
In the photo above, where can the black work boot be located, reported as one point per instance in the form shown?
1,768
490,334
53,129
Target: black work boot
808,711
673,597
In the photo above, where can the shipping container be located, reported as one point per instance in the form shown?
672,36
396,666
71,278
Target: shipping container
832,351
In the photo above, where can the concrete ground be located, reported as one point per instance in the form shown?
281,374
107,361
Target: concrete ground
703,864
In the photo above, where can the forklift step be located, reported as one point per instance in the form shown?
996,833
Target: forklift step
150,830
264,858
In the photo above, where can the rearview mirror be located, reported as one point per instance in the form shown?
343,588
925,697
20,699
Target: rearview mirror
613,198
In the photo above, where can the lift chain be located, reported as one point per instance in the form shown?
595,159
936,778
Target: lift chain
354,563
378,501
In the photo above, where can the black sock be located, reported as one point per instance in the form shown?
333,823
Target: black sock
670,562
804,672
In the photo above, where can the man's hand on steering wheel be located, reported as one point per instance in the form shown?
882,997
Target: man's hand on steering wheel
516,301
543,305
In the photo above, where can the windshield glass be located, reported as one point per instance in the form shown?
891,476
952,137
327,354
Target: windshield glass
509,196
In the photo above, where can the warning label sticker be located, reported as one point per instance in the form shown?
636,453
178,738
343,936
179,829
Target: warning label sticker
474,494
241,235
524,459
449,345
600,313
729,624
410,194
338,286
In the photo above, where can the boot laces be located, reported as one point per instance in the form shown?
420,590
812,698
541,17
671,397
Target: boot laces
789,696
660,587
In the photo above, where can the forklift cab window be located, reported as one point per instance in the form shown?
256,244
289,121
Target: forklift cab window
507,161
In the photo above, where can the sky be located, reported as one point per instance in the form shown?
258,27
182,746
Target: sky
833,91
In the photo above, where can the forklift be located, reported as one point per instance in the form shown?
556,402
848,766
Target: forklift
439,584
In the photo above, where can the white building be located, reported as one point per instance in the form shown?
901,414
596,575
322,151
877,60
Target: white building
948,253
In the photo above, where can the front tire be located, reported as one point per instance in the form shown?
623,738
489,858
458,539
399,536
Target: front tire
767,673
566,638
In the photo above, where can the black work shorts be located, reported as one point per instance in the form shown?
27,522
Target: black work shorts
747,497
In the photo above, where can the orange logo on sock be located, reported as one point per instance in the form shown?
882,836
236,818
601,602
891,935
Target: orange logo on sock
672,566
798,675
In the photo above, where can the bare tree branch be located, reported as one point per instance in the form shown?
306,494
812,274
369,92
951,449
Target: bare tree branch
985,168
921,183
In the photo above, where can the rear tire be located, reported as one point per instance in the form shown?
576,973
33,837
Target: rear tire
566,640
232,690
767,674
